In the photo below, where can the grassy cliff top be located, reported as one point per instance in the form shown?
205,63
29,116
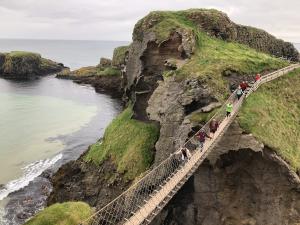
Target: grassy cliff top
212,57
68,213
23,54
128,143
272,114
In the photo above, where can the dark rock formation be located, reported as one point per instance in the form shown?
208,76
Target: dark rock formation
241,183
25,65
96,77
103,84
87,182
244,188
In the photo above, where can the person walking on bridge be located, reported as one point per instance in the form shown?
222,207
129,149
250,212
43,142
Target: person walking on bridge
257,77
244,85
185,154
213,126
239,93
229,109
202,135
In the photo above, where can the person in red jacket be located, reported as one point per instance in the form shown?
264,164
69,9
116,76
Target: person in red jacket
244,85
202,135
257,77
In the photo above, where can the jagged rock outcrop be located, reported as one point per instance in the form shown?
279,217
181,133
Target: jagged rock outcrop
241,183
87,182
26,65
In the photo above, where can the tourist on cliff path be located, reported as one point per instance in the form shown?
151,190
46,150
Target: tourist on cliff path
202,135
229,108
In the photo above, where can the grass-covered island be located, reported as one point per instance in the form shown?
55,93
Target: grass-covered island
26,65
194,55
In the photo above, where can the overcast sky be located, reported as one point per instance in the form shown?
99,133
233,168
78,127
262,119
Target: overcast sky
115,19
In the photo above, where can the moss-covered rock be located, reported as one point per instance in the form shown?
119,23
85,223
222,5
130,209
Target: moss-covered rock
119,56
105,62
68,213
24,65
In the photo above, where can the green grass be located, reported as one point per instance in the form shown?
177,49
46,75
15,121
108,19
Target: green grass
93,71
109,71
68,213
119,55
272,114
23,54
213,56
128,143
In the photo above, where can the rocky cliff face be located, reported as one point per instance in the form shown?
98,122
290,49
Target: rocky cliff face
26,65
241,183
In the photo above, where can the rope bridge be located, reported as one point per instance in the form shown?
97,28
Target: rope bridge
147,197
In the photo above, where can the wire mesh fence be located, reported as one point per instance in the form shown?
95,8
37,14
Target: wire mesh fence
160,181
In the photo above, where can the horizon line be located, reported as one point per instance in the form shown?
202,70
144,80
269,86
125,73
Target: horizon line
47,39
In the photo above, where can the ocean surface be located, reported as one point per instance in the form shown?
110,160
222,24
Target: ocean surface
49,121
74,54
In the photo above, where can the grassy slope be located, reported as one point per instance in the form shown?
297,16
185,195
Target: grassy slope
272,114
68,213
212,56
128,142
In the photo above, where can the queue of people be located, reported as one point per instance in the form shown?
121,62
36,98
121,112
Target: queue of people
214,124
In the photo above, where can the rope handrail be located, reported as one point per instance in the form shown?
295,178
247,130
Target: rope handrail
145,198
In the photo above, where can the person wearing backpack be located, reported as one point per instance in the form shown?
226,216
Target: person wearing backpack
239,92
202,135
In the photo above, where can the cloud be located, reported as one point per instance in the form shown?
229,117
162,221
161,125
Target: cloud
115,19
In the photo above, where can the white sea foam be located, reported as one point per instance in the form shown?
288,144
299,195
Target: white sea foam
30,172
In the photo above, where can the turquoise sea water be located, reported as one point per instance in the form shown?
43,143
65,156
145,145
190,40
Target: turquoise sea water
49,121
